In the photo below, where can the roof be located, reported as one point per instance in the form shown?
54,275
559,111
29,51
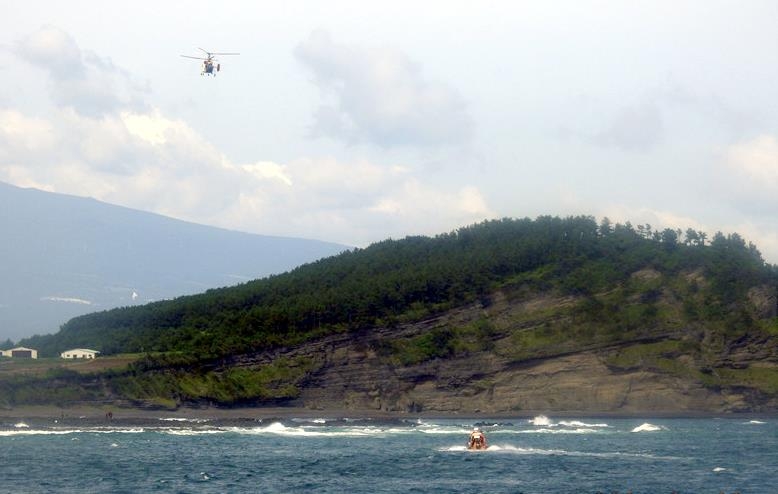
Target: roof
81,350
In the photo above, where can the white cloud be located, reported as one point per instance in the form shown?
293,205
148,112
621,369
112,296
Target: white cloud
636,128
24,137
380,96
415,199
747,179
360,201
151,162
756,161
87,83
150,127
268,170
69,300
55,50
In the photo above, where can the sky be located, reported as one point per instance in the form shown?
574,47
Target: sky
354,121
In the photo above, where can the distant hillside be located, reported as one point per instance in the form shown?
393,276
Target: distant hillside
64,256
508,315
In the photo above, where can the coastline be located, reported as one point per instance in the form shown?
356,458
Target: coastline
105,415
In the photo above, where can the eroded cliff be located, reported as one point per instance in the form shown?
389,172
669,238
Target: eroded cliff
513,352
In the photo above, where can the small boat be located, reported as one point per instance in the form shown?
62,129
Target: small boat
477,440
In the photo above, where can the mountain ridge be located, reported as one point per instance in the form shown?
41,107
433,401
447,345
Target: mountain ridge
67,255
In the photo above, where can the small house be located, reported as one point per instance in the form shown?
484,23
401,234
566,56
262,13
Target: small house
20,352
79,353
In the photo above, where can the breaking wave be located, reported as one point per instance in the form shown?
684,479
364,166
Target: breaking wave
646,427
544,425
183,419
60,432
540,420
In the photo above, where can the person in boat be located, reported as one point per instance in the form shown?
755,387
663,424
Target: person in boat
477,440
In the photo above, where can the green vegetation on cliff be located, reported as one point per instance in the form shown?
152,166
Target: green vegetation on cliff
621,284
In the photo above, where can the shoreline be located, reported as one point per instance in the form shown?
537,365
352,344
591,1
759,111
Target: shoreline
104,415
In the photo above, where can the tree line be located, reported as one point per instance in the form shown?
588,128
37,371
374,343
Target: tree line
398,280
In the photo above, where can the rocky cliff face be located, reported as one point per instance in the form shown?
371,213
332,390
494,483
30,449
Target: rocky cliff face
654,373
355,378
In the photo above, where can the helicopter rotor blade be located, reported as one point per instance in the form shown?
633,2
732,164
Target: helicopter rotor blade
225,53
196,58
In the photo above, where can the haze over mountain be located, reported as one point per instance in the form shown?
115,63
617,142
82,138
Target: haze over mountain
63,256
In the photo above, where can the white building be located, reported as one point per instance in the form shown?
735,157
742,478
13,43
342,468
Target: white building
20,352
79,353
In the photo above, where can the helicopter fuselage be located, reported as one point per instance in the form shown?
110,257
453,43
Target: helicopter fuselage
208,62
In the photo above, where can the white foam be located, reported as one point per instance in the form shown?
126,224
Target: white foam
540,420
646,427
512,449
543,421
311,421
578,423
277,428
756,422
308,431
719,469
490,449
505,448
62,432
33,432
191,432
580,430
21,425
183,419
442,429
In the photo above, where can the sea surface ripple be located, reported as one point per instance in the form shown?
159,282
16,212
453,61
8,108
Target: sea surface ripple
539,455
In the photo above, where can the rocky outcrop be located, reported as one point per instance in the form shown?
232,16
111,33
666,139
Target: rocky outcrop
358,379
764,301
350,372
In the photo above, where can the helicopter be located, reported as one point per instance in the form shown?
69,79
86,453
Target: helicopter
209,61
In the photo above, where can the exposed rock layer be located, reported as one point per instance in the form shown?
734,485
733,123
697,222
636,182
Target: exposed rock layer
350,374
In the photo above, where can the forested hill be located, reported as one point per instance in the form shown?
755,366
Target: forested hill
397,281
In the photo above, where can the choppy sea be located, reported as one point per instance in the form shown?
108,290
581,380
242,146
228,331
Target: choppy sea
537,455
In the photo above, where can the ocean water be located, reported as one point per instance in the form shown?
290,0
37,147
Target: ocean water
538,455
